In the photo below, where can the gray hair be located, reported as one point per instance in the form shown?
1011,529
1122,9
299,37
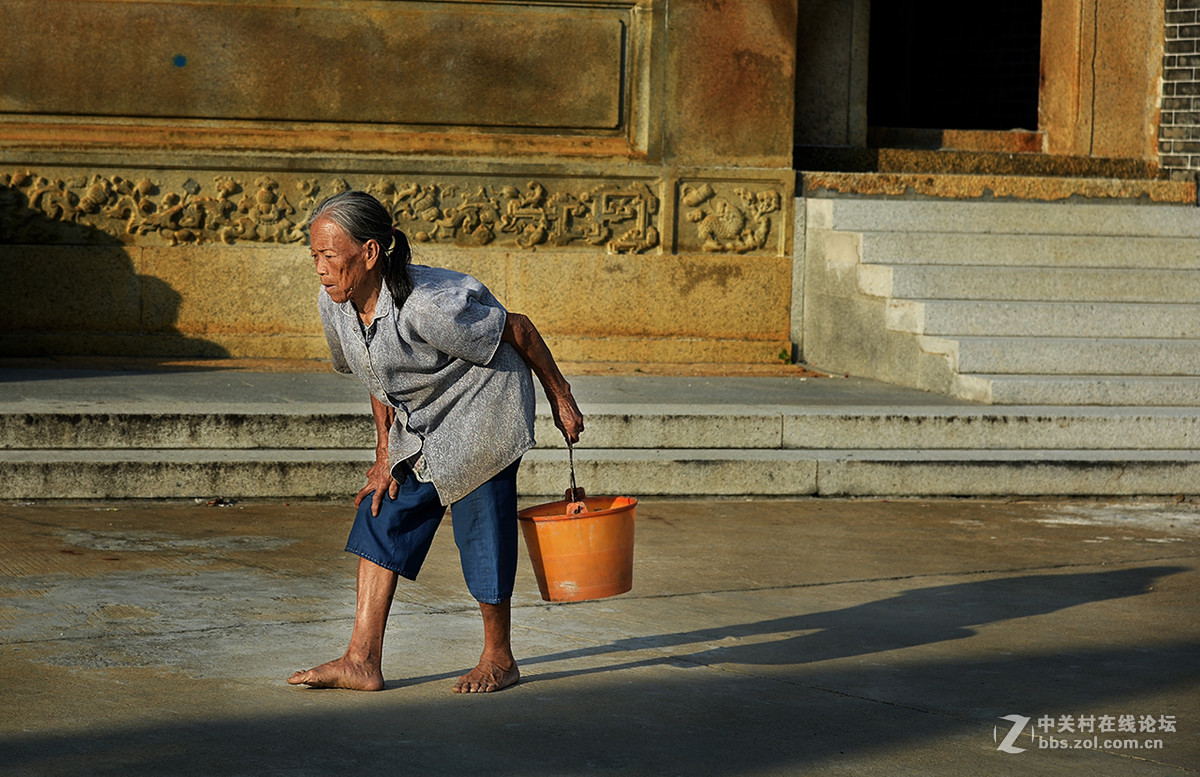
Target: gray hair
363,218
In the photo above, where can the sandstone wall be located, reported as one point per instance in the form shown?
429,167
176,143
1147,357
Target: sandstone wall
618,169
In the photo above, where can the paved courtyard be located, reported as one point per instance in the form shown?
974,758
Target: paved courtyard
835,637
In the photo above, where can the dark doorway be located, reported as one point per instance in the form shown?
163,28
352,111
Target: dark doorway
949,64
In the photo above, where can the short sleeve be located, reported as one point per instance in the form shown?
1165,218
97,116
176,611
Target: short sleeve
329,313
463,322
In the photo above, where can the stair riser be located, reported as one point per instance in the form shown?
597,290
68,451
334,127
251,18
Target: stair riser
1006,218
997,431
1112,252
184,431
542,479
181,480
1116,390
1044,284
745,431
1032,479
1000,319
133,431
1031,356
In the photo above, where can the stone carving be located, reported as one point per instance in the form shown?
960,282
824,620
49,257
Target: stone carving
741,224
619,218
37,209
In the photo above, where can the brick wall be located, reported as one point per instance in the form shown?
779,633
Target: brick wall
1179,125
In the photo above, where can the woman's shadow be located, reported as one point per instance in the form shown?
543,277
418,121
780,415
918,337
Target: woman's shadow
921,616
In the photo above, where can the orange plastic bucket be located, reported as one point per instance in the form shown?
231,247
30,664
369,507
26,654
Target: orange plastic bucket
585,556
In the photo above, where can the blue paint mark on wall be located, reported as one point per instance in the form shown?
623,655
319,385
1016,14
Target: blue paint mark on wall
179,60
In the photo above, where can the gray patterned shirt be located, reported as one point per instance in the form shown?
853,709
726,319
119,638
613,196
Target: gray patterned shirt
464,400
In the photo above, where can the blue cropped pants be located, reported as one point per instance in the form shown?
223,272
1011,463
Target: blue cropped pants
485,531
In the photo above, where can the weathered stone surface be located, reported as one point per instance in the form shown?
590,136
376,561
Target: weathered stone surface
975,153
253,61
1049,283
222,266
734,60
1023,318
669,350
207,290
636,152
1008,474
685,296
1100,66
1002,143
732,216
1034,188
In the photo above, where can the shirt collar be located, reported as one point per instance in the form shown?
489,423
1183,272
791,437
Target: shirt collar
383,306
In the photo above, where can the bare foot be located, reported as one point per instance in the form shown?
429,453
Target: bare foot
341,673
488,677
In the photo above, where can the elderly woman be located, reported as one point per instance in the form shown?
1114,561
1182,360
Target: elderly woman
447,369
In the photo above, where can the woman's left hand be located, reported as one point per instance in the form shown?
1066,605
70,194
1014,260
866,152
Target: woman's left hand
379,482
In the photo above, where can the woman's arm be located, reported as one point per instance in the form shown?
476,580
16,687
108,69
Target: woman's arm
521,334
379,476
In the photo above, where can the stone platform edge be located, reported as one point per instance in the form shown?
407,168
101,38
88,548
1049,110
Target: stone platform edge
964,186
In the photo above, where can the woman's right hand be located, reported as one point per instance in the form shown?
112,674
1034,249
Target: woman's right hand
379,481
567,417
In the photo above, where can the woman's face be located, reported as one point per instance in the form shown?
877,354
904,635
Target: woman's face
342,264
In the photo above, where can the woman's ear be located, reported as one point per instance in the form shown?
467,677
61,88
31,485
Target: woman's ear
373,253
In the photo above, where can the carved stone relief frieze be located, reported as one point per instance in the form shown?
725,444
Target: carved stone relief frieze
620,218
34,208
740,220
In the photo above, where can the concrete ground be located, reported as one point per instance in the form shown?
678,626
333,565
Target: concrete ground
761,638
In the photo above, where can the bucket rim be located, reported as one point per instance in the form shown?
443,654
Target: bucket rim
625,507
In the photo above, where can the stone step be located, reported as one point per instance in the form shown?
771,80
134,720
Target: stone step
658,427
1028,303
1032,250
1067,284
246,435
1006,474
1044,319
1068,355
669,426
544,474
980,428
199,428
840,472
1094,390
1016,218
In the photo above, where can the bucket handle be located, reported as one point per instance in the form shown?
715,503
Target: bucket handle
576,493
